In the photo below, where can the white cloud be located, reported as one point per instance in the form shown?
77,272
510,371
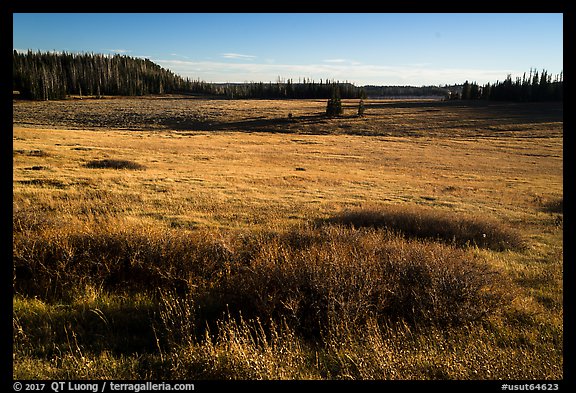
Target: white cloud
360,74
237,56
177,55
335,61
119,50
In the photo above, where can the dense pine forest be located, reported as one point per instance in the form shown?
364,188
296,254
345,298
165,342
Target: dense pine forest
53,76
49,76
404,91
530,88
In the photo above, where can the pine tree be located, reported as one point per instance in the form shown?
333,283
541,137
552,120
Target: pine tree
486,91
361,108
474,91
334,105
466,91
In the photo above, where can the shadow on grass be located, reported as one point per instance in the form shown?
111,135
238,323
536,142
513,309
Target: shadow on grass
505,112
258,124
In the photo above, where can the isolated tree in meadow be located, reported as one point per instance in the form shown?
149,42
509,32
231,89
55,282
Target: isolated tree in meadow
361,108
334,105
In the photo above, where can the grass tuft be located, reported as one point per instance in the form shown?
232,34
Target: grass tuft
427,223
554,206
114,164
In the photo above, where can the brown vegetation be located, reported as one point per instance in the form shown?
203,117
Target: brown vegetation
428,223
417,117
241,255
114,164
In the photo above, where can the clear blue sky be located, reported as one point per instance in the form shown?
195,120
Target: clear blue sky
381,49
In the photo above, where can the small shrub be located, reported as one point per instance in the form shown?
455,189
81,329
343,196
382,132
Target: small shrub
554,206
114,164
36,168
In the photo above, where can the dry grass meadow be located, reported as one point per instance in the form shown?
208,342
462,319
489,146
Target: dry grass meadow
186,238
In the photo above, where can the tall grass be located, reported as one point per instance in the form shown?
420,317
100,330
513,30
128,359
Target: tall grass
259,304
330,301
241,348
306,276
429,223
212,263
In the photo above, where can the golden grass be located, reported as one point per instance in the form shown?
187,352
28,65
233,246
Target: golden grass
214,193
198,178
381,117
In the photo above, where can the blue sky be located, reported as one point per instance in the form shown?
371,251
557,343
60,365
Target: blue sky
381,49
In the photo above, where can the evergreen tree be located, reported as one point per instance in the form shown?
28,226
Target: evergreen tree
486,91
536,87
334,105
474,91
53,76
466,91
361,108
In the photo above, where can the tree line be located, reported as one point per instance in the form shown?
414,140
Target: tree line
404,91
49,76
530,88
307,88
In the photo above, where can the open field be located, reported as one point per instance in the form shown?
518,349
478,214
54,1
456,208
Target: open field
382,117
176,238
